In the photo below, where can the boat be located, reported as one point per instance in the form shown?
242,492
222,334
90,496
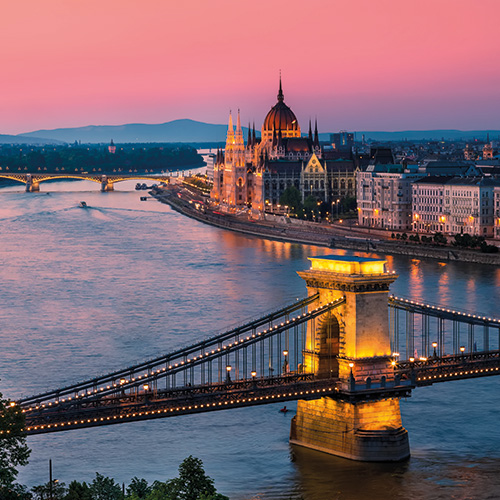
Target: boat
82,204
138,186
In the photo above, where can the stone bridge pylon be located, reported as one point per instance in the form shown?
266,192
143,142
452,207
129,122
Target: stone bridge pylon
352,344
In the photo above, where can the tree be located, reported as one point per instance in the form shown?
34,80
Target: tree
292,198
78,491
13,448
45,492
192,484
105,488
138,488
163,491
310,207
15,492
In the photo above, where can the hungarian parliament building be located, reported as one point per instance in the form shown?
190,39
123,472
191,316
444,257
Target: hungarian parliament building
256,174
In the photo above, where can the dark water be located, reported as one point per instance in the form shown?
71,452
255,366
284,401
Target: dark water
86,291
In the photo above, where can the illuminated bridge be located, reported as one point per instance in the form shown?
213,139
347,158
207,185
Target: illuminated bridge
345,359
106,181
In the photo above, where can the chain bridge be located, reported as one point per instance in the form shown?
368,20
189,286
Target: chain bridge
107,181
347,352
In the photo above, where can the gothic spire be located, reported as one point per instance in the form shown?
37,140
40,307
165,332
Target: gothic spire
280,92
316,137
238,122
249,140
310,131
254,140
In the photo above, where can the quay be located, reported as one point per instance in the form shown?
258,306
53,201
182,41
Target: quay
291,230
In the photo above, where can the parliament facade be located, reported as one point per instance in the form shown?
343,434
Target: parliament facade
257,173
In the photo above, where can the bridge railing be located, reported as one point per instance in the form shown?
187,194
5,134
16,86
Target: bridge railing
422,331
269,346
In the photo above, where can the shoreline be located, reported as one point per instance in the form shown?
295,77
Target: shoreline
307,233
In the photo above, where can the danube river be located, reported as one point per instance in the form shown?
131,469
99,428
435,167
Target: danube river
87,291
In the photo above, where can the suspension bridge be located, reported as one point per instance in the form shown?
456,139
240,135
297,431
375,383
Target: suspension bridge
347,352
106,181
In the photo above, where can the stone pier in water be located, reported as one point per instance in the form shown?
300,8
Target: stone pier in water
351,343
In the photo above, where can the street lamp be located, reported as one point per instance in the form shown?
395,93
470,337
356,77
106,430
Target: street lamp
285,362
228,374
435,344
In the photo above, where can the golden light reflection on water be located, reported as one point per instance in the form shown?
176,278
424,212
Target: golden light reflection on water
324,476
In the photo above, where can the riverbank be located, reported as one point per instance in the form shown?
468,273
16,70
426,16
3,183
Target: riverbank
310,233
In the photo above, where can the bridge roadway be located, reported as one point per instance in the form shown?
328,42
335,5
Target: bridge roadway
150,404
145,405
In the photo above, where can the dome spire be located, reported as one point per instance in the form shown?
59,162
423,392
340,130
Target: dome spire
280,92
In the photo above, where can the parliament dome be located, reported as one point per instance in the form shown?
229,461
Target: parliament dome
281,117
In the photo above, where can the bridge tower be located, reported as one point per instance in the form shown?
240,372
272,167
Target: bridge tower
352,344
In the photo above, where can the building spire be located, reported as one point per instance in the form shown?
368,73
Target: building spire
249,140
238,122
230,126
310,131
316,137
280,92
254,140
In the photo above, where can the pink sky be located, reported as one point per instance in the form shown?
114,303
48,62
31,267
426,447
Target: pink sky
355,64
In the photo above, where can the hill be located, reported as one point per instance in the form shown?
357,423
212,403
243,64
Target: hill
192,131
174,131
26,139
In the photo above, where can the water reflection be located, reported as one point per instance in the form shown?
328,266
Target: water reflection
88,291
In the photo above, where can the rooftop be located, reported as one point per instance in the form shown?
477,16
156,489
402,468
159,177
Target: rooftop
347,264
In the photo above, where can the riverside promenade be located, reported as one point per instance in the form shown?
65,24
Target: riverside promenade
281,228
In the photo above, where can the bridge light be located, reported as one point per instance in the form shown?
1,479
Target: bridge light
253,373
393,363
412,359
146,387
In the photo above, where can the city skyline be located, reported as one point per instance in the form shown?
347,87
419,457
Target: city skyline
365,65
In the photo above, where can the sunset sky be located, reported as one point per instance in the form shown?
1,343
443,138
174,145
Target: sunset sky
353,64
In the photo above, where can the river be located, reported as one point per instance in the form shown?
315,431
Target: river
87,291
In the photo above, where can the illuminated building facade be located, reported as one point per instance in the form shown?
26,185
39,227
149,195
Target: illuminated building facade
256,174
384,196
455,205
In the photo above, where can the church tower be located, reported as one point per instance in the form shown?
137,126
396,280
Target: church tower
235,178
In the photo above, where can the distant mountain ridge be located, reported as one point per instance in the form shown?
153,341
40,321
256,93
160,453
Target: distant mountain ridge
186,130
25,139
175,131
